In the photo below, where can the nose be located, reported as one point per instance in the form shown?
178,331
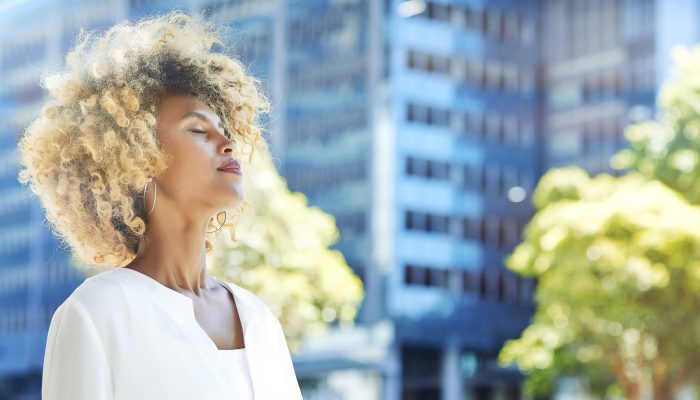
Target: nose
228,144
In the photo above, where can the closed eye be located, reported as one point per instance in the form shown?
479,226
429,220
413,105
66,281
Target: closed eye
226,133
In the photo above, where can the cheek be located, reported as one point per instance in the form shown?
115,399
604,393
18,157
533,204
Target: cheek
192,163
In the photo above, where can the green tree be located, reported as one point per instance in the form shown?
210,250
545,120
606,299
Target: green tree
282,254
618,268
617,260
669,149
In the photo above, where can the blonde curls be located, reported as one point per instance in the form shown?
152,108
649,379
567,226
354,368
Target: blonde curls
89,153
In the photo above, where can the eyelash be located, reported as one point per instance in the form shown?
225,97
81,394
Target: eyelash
226,133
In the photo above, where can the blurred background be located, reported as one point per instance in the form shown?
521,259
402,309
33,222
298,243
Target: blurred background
421,130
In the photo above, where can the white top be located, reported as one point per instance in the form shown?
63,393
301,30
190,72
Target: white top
123,335
238,370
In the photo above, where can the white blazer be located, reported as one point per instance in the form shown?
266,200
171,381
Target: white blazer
122,335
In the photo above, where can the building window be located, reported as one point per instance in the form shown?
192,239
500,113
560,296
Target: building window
439,64
475,19
426,222
483,230
510,130
473,125
418,60
438,223
437,11
493,18
474,72
489,22
510,177
524,179
436,278
411,59
416,166
493,127
466,281
438,170
491,178
416,113
427,168
510,78
526,82
501,286
526,290
414,275
354,222
427,115
526,32
511,232
471,228
483,284
426,276
438,117
511,27
416,221
526,132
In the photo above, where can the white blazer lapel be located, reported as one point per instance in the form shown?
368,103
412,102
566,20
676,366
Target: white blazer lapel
269,361
255,339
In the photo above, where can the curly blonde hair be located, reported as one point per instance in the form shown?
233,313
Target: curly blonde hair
89,153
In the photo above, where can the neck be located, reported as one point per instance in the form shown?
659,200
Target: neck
174,254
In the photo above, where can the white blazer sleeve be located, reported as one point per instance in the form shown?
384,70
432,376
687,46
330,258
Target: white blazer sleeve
290,384
75,362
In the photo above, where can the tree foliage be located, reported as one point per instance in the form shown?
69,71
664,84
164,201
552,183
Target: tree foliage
618,260
618,268
669,149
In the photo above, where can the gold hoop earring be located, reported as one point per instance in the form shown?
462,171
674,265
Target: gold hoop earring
155,193
217,218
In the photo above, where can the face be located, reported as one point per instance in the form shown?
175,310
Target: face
193,136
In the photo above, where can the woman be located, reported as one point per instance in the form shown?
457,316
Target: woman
140,144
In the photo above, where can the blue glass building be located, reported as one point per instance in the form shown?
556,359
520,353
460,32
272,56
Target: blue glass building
34,273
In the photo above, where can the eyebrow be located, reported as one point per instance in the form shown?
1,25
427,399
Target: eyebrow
200,116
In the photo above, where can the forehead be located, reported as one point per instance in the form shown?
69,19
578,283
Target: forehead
175,107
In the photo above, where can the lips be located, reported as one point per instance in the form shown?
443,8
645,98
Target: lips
231,166
236,171
230,163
